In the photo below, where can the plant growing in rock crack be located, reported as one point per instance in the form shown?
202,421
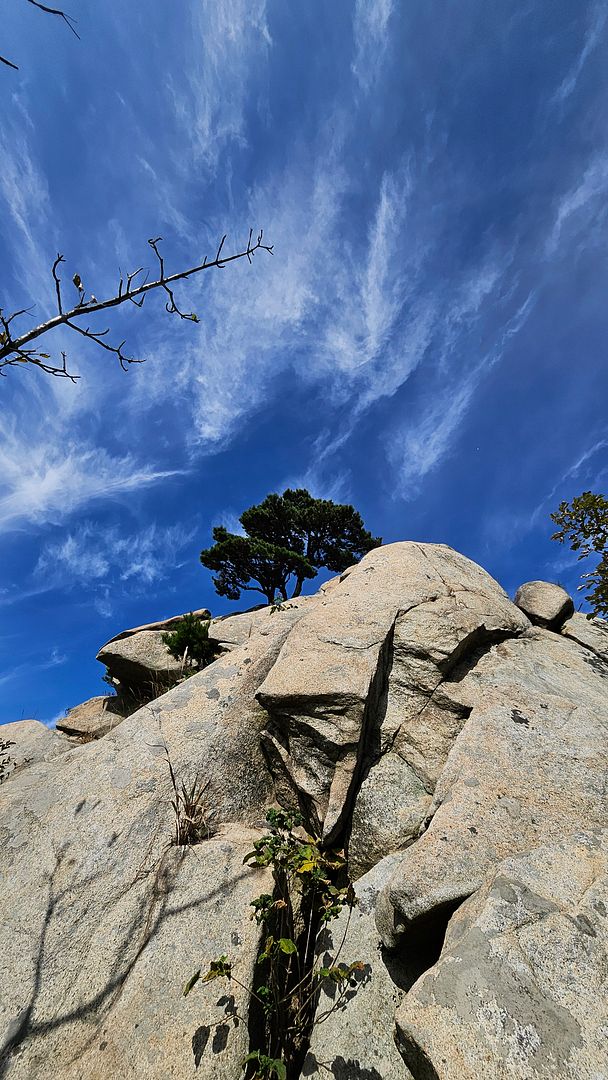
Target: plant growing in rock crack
7,763
310,890
193,820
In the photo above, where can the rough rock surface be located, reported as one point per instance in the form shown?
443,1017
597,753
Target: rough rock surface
86,859
416,716
530,763
33,743
93,718
545,603
592,633
520,990
356,1039
325,691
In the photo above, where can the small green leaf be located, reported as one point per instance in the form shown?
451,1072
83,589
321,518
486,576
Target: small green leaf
192,981
286,945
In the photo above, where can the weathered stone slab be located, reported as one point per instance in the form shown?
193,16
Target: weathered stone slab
530,764
519,992
357,1039
325,690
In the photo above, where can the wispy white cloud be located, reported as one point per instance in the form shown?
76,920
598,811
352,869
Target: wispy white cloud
581,204
371,35
25,195
339,305
576,469
419,444
90,555
229,42
593,37
46,477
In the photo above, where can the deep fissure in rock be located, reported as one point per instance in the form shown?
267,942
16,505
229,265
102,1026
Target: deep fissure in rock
285,1033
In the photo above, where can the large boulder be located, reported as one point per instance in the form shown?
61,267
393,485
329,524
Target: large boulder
327,690
544,603
140,666
138,662
519,992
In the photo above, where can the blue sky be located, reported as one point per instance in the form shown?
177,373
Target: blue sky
428,341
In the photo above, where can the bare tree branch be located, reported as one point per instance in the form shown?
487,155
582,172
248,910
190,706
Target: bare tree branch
14,349
68,20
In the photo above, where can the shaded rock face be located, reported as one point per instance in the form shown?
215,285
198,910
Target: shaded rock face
415,715
93,718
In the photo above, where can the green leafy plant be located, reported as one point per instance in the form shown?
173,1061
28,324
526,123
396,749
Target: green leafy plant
289,537
310,890
7,763
190,643
584,524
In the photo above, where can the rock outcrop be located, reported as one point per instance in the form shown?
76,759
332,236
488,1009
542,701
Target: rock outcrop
139,664
93,718
455,744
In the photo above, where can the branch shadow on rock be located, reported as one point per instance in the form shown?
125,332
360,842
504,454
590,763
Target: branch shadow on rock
142,927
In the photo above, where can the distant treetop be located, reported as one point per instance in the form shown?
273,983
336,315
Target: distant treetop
288,539
584,524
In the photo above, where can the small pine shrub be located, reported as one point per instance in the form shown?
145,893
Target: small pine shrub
190,642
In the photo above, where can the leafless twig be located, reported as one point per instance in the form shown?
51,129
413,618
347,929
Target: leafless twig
16,349
68,20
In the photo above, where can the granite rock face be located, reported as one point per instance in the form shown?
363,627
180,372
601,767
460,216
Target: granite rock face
520,989
355,1039
530,764
33,743
330,683
417,718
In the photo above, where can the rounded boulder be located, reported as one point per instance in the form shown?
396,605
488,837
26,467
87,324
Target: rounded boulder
544,603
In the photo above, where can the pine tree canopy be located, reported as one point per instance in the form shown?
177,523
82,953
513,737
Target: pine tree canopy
288,539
